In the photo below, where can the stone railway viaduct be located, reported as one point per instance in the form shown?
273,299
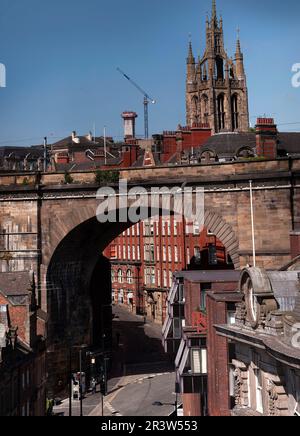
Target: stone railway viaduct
51,228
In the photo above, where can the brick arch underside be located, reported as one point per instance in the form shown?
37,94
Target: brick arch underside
71,254
73,250
75,220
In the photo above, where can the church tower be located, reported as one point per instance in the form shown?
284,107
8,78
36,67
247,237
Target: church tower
216,88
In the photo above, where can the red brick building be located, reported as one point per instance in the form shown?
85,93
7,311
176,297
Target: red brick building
145,257
196,301
22,349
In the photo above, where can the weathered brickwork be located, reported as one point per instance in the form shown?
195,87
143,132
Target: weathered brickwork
59,220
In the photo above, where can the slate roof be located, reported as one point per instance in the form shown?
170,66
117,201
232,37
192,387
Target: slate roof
286,288
210,276
84,143
15,283
228,144
22,152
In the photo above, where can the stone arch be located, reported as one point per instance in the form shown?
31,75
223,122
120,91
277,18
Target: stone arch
225,234
71,256
208,156
244,152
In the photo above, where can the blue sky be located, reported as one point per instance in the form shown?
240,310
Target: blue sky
61,58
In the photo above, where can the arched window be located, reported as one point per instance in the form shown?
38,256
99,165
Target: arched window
219,68
204,109
129,277
195,109
235,112
221,112
113,276
120,276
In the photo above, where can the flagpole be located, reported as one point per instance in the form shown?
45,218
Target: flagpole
252,224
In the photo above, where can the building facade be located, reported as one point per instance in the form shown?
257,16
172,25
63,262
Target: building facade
22,349
145,257
266,364
196,300
216,85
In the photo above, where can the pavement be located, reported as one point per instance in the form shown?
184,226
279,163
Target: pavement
142,382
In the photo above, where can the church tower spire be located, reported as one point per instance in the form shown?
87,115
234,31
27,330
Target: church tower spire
216,87
190,58
214,11
239,59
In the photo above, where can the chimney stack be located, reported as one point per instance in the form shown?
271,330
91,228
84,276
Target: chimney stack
266,138
129,124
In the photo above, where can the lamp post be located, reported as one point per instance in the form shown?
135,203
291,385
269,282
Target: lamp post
70,381
81,349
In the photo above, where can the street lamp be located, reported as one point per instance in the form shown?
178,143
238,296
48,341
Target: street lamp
81,348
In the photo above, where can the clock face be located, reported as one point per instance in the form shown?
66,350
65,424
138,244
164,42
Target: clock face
252,304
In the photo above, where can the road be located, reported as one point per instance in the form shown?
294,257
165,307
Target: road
142,382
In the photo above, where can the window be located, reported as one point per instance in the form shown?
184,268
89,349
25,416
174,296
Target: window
181,298
138,252
169,228
176,257
121,296
133,230
170,278
170,253
138,229
212,255
129,252
231,311
158,253
188,256
150,276
176,328
199,361
197,255
259,390
152,228
129,277
164,253
113,252
175,228
196,229
204,288
158,278
296,393
113,278
148,228
235,112
221,111
165,279
231,317
120,276
151,253
124,252
120,251
164,228
153,281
